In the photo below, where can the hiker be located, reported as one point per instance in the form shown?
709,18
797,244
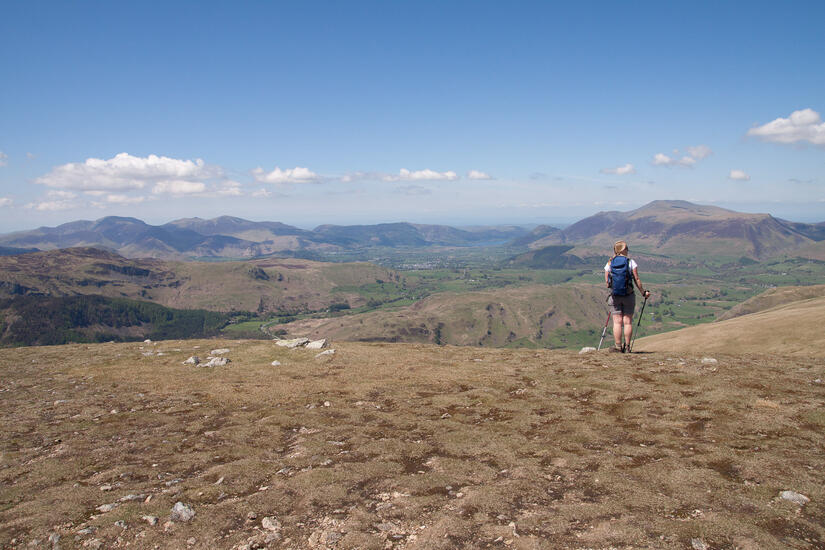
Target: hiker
619,274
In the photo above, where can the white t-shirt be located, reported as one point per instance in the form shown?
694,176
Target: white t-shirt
633,265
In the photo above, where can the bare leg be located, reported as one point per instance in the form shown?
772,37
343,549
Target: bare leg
627,320
617,329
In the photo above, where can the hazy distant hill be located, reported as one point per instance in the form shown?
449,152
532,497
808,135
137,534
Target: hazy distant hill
230,237
680,227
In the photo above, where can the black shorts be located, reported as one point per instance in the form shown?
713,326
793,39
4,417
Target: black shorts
624,305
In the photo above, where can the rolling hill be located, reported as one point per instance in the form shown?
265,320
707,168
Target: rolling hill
683,228
518,316
791,328
263,285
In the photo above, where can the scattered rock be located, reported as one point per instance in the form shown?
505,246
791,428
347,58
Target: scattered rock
586,349
54,539
317,344
151,520
147,341
191,541
94,544
795,497
293,343
106,507
698,544
194,360
122,524
271,524
219,351
85,531
182,512
324,353
276,363
708,361
216,362
129,498
105,487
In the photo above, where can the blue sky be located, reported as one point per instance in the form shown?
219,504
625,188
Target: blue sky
434,112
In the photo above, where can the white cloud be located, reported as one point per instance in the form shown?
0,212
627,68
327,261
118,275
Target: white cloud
421,175
739,175
230,189
620,170
298,174
803,125
262,193
699,151
3,157
53,206
31,156
178,187
661,159
478,175
123,199
124,171
694,154
5,201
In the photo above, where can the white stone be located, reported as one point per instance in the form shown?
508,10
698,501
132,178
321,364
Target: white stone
194,360
182,512
586,350
276,363
317,344
795,497
106,507
216,362
271,524
698,544
327,352
294,343
709,361
219,351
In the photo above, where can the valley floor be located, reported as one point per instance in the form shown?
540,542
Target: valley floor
408,446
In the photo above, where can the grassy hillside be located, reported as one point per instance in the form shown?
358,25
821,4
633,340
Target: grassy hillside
413,446
256,285
772,298
530,315
793,328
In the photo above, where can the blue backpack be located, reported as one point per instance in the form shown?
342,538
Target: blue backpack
620,276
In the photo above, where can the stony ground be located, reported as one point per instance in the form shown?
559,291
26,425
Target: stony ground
408,446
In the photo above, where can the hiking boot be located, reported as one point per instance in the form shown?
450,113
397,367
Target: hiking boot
616,349
624,348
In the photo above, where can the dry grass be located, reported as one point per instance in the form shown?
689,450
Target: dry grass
411,446
794,328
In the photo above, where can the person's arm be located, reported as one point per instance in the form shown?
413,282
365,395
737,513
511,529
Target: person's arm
636,278
607,278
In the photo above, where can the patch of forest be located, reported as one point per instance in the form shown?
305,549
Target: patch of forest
54,320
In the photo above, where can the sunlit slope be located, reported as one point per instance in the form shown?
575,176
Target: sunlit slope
794,328
772,298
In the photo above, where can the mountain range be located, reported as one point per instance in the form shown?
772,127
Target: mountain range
660,227
681,228
231,237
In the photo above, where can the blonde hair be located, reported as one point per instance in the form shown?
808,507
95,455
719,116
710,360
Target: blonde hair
620,248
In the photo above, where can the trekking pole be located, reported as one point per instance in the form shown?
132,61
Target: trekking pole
604,330
636,332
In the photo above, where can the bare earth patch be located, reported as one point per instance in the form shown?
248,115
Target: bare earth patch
408,446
